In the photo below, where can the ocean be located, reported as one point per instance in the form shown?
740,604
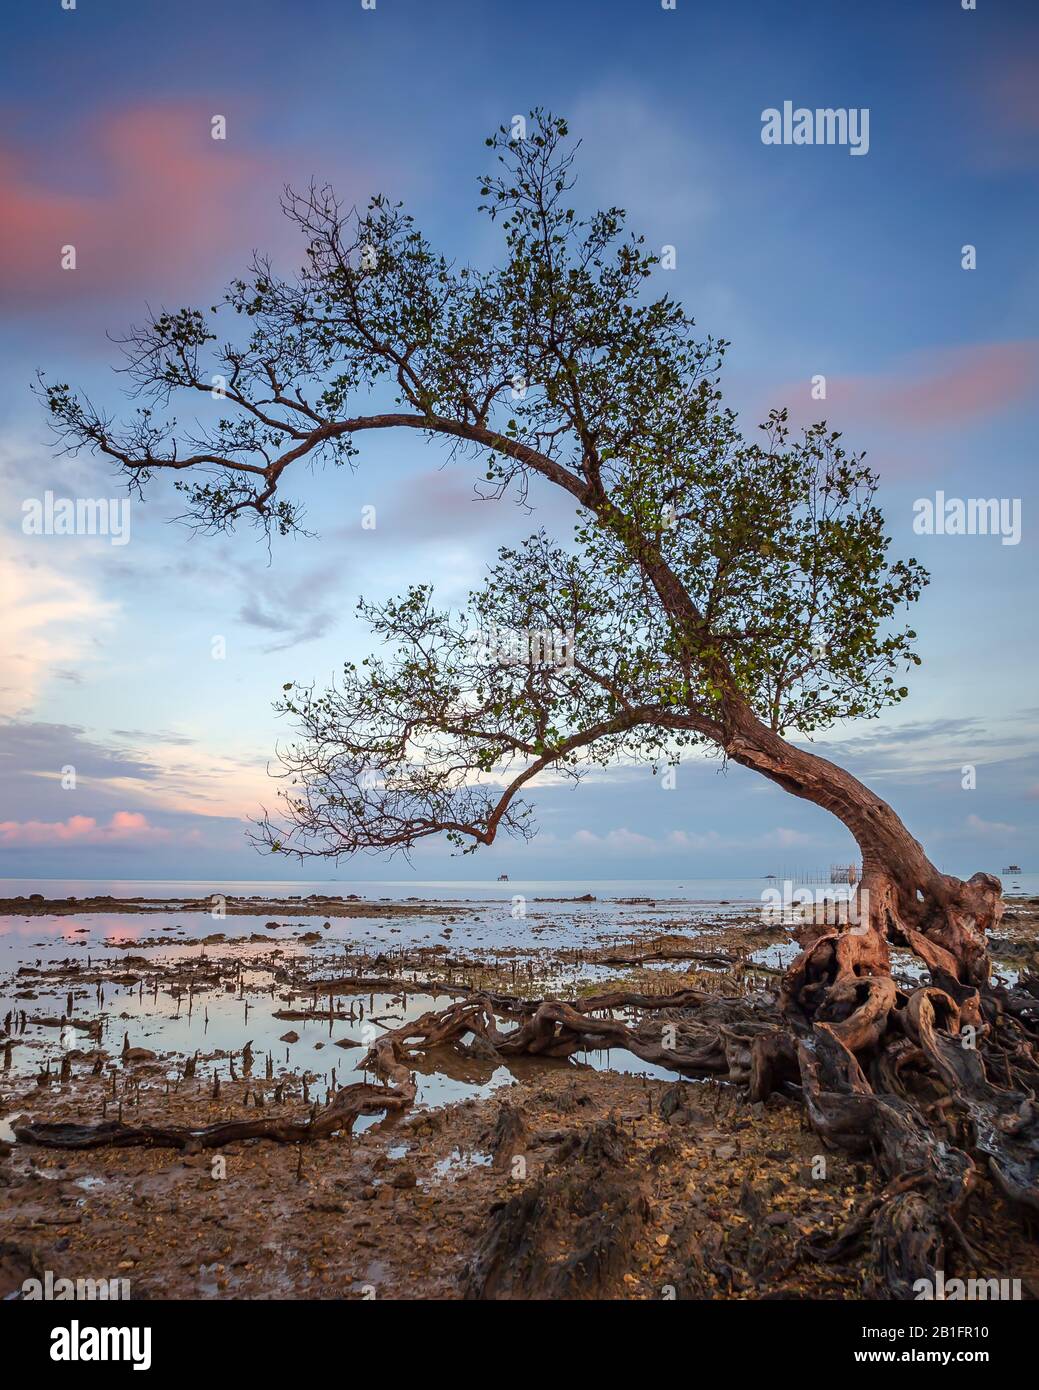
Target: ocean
689,890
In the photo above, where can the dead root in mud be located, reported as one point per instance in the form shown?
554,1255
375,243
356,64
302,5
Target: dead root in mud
338,1116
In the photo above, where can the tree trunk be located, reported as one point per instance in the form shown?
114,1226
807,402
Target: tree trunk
904,1074
902,899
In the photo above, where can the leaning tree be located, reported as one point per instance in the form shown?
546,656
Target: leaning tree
720,591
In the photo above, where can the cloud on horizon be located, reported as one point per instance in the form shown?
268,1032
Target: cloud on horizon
125,827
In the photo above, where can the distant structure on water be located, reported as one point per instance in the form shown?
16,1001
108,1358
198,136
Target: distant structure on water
1012,869
839,873
503,878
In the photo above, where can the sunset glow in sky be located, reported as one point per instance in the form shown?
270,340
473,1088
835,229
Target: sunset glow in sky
808,260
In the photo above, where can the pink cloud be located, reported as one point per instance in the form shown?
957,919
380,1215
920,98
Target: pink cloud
162,197
125,827
1015,88
1000,136
454,502
935,388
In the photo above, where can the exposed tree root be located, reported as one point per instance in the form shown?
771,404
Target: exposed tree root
928,1114
923,1108
1005,1123
695,1046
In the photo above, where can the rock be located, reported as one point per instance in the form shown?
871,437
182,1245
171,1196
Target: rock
672,1101
290,1037
677,1109
481,1049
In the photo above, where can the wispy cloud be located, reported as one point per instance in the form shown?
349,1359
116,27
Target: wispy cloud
924,748
142,736
940,387
301,611
48,619
625,841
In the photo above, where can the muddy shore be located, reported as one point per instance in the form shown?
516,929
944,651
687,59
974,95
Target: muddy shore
216,905
593,1177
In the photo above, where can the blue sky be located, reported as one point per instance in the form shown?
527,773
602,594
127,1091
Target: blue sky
809,259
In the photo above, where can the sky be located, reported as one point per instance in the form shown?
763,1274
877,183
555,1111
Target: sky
810,259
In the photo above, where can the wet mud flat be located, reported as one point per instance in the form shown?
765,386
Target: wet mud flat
1015,945
313,905
595,1175
565,1183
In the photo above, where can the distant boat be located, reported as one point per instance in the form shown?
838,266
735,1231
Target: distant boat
1012,869
503,878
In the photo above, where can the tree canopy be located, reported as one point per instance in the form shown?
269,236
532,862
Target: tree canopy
712,578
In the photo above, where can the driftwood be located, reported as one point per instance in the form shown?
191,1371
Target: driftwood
662,948
362,1098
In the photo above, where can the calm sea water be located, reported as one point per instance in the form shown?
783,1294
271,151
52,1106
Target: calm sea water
478,918
688,890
